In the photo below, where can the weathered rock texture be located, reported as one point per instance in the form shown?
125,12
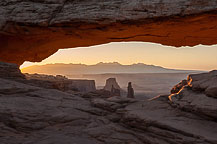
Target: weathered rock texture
113,87
10,71
33,30
179,86
111,82
61,83
130,91
199,95
36,115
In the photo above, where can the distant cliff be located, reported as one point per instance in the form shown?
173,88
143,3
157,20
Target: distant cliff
115,67
61,83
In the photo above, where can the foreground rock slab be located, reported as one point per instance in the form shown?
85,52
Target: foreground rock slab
37,115
198,95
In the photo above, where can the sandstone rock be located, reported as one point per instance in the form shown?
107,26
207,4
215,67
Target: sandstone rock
206,82
112,86
61,83
199,96
111,82
115,92
98,94
37,29
30,114
84,85
41,111
195,102
179,86
106,105
112,104
130,91
211,91
10,71
121,100
164,98
33,114
165,124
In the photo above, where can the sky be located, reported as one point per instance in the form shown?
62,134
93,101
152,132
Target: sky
194,58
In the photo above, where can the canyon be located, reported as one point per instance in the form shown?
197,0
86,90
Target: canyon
32,113
148,80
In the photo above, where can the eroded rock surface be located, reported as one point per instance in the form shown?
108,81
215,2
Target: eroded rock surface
179,86
111,82
10,71
61,83
199,95
33,30
206,82
36,115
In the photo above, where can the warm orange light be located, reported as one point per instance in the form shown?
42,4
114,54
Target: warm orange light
198,58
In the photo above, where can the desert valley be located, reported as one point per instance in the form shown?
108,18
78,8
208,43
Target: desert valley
148,80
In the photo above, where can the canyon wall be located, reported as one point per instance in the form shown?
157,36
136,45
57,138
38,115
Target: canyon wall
12,72
33,30
61,83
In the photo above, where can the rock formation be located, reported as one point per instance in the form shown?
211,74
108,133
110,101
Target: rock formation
101,93
10,71
33,114
204,82
130,91
199,96
112,86
115,92
61,83
33,30
179,86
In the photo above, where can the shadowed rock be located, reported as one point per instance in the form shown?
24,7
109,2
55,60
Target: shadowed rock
33,114
199,96
10,71
179,86
61,83
130,91
112,86
33,30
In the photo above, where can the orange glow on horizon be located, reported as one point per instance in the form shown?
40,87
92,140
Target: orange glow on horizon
194,58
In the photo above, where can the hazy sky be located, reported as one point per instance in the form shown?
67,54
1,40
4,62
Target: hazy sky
198,57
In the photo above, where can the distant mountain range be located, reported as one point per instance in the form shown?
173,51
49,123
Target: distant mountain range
100,68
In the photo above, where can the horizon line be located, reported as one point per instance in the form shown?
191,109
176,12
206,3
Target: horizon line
36,64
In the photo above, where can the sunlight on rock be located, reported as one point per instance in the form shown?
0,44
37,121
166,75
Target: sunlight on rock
108,72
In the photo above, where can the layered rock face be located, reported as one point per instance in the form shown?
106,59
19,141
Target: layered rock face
204,82
111,82
37,29
61,83
113,87
179,86
33,114
10,71
199,95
